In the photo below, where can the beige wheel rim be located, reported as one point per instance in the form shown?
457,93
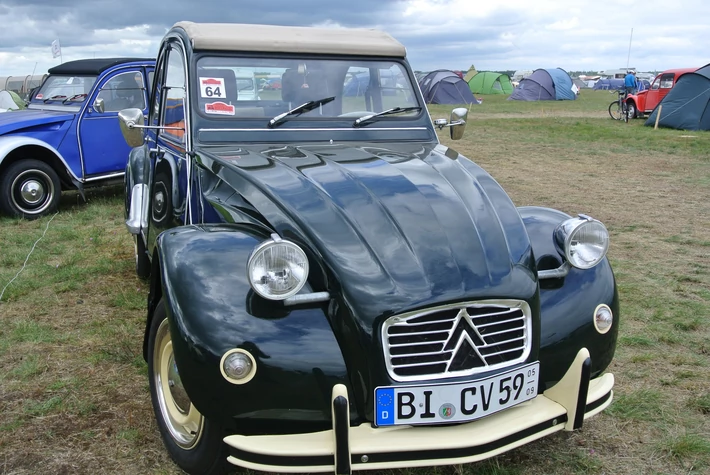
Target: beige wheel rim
183,421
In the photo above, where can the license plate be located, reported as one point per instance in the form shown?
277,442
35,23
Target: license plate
455,402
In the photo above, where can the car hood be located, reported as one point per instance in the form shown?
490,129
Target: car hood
18,120
396,228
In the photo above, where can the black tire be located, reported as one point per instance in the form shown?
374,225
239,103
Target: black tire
142,259
615,110
29,189
194,442
631,110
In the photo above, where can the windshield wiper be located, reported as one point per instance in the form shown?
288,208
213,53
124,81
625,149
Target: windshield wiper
373,117
74,97
54,98
296,111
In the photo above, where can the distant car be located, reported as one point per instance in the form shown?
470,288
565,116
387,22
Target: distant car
645,101
69,138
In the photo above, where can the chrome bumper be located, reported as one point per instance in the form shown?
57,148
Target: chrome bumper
344,448
137,211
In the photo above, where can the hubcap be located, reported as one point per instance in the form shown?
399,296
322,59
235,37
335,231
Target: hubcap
32,191
183,421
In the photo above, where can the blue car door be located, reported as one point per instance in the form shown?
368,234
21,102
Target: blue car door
103,149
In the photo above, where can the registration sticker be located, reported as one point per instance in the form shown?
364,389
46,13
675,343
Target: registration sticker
212,87
39,96
456,402
219,108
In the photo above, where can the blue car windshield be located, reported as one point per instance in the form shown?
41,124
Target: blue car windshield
258,87
67,90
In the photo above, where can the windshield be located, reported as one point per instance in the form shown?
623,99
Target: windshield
68,90
244,87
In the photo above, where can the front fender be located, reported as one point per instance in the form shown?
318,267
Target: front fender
568,304
212,309
9,143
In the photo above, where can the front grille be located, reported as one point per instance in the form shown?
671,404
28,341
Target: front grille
457,340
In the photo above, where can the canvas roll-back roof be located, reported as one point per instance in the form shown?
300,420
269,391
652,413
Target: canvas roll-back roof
291,39
93,66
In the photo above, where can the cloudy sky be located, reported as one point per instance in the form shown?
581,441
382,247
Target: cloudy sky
452,34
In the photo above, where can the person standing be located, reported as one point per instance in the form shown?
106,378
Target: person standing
630,82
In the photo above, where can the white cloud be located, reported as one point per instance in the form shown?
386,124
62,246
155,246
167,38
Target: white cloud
515,34
564,24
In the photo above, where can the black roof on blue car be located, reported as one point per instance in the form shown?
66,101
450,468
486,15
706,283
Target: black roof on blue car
92,66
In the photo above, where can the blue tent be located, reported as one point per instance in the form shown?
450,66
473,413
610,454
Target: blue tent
545,85
446,87
609,84
687,105
358,83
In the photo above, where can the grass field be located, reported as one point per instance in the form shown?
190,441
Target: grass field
73,388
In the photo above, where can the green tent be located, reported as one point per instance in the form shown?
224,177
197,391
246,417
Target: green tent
488,82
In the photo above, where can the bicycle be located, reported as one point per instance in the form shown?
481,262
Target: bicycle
618,109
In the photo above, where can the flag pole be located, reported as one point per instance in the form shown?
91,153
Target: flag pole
628,58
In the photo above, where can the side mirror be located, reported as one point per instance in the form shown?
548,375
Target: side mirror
132,122
99,105
458,122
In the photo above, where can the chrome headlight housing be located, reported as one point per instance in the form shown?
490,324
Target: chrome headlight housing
583,240
277,269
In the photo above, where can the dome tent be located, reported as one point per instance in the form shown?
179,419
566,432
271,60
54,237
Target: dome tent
609,84
687,105
545,85
489,82
446,87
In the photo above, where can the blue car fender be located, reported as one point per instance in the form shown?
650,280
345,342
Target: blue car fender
12,143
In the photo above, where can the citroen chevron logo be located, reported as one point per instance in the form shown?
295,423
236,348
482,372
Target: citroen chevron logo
464,341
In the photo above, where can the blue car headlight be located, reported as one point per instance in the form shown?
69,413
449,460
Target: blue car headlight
583,240
277,269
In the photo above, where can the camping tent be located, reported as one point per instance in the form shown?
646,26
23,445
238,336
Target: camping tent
545,85
357,84
580,84
445,87
609,84
9,100
488,82
470,73
687,105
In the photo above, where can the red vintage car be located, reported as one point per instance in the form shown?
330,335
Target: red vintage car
645,101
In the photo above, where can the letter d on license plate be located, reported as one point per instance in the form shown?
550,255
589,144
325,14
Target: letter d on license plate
455,402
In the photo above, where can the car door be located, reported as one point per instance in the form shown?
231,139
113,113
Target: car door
103,149
169,157
660,88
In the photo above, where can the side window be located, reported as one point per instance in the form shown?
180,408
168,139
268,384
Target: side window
174,90
123,91
666,81
656,83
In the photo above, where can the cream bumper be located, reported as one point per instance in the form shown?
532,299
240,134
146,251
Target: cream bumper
345,448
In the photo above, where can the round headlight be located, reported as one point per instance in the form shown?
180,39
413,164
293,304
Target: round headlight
277,269
584,241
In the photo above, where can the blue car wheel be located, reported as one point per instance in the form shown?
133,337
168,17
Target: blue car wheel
29,189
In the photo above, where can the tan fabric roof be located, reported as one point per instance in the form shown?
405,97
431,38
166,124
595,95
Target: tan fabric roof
291,39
